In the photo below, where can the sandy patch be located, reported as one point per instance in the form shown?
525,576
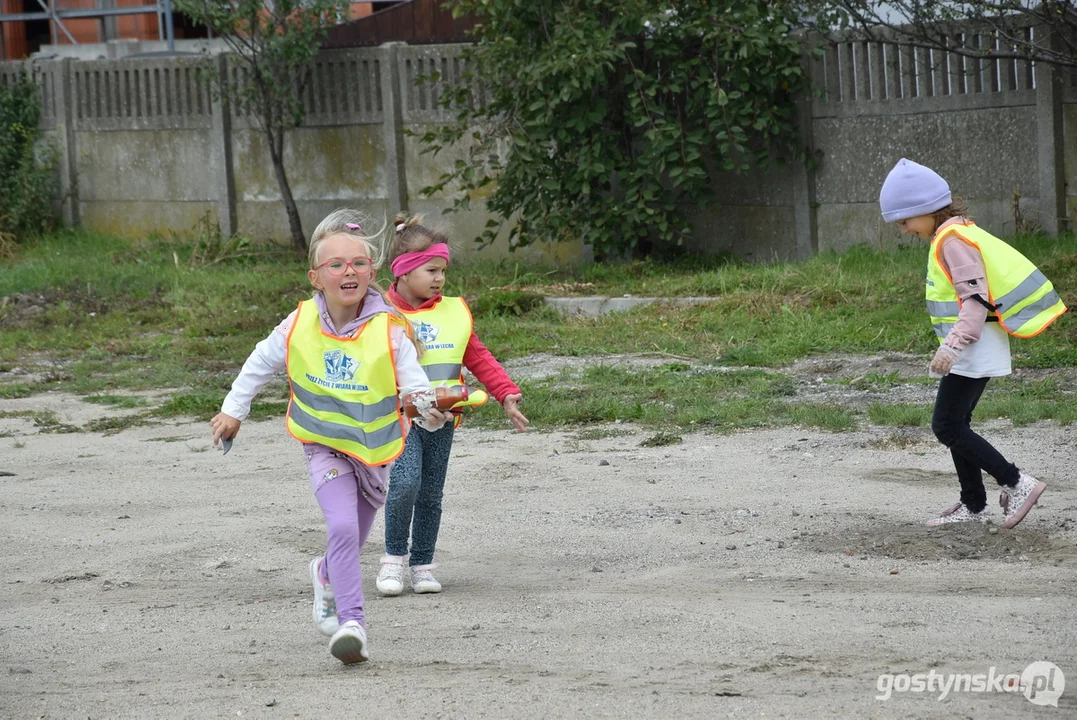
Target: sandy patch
772,573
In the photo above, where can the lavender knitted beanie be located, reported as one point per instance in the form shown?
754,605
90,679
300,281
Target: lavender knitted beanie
911,190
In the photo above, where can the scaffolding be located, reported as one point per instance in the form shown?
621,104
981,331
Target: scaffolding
56,17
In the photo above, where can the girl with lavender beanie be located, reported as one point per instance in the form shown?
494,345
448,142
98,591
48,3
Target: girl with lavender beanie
979,292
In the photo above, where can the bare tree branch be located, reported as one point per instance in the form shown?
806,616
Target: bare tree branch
982,29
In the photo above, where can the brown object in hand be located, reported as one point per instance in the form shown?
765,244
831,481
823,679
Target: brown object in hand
446,398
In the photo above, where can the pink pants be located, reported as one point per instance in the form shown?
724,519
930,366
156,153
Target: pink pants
349,494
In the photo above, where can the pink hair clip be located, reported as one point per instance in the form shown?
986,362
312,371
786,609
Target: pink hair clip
353,226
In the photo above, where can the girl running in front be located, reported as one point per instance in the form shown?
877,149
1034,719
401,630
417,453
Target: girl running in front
349,357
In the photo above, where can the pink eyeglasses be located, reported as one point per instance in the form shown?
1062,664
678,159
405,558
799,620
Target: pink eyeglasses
339,266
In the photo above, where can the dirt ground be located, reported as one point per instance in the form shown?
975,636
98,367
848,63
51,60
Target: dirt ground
771,573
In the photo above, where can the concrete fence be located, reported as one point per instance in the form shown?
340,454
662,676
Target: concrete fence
146,147
998,130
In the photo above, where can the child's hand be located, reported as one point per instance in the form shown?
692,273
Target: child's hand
944,360
432,419
224,426
518,420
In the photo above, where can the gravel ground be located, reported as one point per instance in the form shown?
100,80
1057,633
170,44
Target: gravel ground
773,573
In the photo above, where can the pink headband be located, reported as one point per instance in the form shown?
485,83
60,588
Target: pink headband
409,261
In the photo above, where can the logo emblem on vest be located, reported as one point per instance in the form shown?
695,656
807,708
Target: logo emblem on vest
339,366
425,332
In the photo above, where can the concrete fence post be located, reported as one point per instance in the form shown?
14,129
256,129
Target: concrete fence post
66,102
224,179
393,128
1050,142
805,227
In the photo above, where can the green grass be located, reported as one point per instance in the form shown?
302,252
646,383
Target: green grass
118,316
826,417
667,396
769,315
900,415
662,439
1022,402
109,425
16,390
126,402
41,418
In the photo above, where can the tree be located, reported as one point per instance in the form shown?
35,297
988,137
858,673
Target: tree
274,43
990,29
600,118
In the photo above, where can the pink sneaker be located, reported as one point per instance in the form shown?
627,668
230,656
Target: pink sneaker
958,513
1016,501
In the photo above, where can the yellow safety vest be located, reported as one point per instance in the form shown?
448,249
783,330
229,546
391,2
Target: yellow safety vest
1023,300
445,330
344,389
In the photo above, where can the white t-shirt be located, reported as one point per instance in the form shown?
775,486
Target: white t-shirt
987,357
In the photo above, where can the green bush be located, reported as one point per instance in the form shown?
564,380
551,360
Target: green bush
29,183
603,120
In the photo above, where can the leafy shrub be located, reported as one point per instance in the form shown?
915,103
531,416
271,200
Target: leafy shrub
29,181
602,120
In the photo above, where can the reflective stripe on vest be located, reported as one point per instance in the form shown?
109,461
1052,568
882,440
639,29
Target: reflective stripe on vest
443,371
445,330
1025,301
339,431
344,389
362,412
943,309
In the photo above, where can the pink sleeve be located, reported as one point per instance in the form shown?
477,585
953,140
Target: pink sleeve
965,265
482,364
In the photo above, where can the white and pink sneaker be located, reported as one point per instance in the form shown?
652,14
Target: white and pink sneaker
325,604
390,580
1016,501
423,580
959,513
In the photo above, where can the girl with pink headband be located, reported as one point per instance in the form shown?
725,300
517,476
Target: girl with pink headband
418,257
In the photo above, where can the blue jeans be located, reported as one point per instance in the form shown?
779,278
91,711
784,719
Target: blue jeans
416,486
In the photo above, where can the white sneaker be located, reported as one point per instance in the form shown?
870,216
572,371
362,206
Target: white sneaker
423,580
1018,500
391,576
959,513
325,604
349,643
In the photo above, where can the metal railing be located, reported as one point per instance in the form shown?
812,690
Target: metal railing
56,17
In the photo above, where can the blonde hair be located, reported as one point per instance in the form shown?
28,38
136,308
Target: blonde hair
348,222
410,235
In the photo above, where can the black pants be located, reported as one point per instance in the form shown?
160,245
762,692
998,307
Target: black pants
950,422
